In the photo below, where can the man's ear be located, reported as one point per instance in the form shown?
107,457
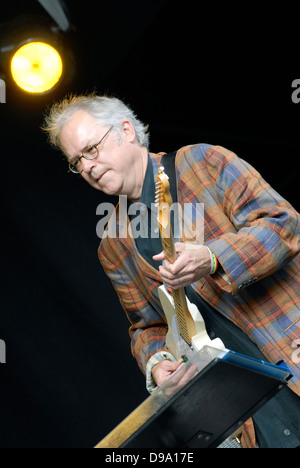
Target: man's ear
128,130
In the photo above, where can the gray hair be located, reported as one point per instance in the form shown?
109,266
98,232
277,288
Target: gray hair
107,111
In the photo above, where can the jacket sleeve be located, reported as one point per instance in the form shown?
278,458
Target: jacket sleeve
265,227
148,328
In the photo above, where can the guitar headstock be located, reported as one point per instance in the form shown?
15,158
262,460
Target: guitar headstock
162,192
163,200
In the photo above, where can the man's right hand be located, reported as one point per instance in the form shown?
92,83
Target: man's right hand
165,369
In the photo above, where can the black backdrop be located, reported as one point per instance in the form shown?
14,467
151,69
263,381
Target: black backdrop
195,74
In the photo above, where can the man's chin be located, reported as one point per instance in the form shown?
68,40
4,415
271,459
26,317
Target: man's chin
110,191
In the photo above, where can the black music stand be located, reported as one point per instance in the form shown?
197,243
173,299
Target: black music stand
211,407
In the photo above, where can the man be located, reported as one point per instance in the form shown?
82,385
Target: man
249,296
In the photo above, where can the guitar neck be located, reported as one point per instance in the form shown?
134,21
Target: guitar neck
185,321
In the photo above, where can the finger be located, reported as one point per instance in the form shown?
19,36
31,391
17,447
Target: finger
180,378
165,273
190,374
172,365
176,267
164,370
175,283
183,282
184,373
170,280
178,375
159,257
179,265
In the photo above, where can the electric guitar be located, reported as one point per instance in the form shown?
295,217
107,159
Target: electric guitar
186,328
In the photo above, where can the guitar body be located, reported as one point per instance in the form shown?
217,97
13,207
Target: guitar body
174,341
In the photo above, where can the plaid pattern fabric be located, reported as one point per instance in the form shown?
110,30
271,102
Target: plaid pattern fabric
253,232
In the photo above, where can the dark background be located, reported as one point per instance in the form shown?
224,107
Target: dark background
196,74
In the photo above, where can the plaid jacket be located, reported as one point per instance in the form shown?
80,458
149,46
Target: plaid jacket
254,233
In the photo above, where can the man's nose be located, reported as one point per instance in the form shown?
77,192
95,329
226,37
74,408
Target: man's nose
87,165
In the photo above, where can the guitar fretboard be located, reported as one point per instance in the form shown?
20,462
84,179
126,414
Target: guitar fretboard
185,321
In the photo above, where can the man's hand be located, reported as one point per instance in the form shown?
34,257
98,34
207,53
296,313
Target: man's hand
165,369
192,264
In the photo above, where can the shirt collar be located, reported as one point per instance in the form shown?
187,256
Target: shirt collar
148,192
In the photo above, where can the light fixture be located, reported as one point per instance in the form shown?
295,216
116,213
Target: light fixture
35,53
36,67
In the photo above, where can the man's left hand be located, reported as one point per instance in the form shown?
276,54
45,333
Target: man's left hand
192,264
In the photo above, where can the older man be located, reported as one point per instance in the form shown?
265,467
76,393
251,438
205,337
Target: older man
250,298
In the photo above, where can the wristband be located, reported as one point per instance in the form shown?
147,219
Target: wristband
214,262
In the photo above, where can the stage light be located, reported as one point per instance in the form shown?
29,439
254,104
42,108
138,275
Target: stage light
36,54
36,67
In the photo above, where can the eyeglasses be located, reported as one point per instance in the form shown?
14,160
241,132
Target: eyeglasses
89,153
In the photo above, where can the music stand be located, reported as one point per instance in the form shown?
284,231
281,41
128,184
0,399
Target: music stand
227,391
